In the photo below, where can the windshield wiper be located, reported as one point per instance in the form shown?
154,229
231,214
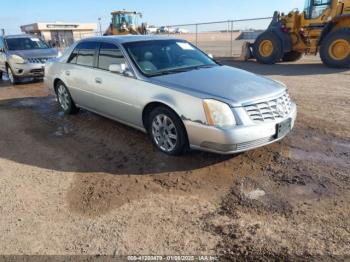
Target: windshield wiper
205,66
172,71
181,70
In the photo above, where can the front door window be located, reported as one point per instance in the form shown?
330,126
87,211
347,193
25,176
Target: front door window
109,54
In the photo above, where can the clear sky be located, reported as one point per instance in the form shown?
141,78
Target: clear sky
14,13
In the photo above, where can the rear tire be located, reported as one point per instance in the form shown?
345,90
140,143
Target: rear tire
267,48
292,56
167,131
335,49
1,75
65,99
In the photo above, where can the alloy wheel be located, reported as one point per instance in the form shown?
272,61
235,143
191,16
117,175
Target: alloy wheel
164,133
63,97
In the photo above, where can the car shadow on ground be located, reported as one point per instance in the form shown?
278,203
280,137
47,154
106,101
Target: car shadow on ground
284,69
36,133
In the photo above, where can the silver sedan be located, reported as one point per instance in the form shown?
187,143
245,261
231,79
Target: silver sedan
171,90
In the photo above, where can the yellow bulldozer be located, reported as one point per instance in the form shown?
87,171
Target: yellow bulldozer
323,27
125,23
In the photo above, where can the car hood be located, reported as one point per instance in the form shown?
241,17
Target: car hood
228,84
33,53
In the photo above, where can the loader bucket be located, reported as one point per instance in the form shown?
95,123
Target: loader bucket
246,53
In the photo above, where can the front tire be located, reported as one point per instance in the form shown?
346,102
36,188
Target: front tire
65,99
335,49
13,79
292,56
267,49
167,131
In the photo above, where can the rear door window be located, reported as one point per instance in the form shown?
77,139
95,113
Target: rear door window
86,54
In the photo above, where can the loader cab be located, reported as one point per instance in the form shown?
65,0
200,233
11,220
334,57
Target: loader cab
125,20
315,8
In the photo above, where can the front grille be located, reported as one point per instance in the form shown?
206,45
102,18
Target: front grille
37,71
272,110
38,60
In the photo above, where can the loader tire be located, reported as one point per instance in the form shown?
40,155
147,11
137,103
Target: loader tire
267,48
335,49
292,56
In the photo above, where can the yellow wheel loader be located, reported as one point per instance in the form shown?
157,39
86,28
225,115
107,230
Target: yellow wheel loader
323,27
126,23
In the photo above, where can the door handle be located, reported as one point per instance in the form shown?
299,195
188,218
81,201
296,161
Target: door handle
98,80
68,73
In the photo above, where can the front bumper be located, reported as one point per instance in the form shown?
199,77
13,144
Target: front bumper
28,70
235,140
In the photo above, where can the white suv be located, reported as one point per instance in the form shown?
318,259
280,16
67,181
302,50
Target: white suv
24,56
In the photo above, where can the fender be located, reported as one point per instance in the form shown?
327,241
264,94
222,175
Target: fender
284,37
330,26
275,27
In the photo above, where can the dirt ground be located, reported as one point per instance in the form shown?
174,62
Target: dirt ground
83,184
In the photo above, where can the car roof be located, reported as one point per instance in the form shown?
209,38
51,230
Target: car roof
130,38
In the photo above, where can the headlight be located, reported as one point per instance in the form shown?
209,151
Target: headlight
218,114
18,59
59,54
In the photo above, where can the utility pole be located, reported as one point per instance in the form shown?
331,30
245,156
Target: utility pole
99,22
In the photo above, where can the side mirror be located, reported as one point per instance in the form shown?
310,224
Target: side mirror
120,69
117,68
211,56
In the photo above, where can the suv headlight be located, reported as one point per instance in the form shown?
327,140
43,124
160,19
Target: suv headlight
18,59
218,114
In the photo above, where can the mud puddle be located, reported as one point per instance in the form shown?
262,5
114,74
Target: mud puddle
287,194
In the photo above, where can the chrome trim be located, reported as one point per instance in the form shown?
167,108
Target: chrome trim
272,110
38,60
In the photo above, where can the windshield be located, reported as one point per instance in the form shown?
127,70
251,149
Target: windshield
307,5
25,43
166,56
127,19
315,8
